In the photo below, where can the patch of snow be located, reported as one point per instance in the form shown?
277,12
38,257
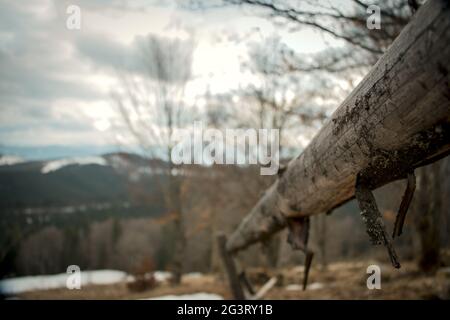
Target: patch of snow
102,277
60,163
162,276
294,287
129,278
312,286
9,160
31,283
315,286
192,296
119,162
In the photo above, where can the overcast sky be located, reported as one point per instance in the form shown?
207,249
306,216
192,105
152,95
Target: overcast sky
55,83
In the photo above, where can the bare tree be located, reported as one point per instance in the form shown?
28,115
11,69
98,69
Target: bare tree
270,101
344,21
427,211
152,106
283,100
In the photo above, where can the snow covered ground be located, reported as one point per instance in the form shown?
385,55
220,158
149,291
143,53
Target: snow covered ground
9,160
19,285
312,286
60,163
191,296
162,276
31,283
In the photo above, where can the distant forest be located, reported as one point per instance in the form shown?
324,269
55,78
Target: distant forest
106,218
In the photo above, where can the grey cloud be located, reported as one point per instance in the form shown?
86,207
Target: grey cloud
103,51
143,55
37,68
13,18
31,63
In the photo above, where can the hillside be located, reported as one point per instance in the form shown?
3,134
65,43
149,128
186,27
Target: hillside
86,181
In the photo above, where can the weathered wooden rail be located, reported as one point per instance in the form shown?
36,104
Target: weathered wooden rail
395,120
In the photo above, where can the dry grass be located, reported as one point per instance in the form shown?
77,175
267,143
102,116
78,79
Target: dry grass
337,281
348,281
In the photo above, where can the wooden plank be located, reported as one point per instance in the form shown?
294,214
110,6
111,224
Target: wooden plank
265,289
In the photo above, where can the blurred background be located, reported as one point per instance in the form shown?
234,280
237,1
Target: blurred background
86,116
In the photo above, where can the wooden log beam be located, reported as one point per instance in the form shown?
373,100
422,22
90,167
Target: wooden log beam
230,268
395,120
